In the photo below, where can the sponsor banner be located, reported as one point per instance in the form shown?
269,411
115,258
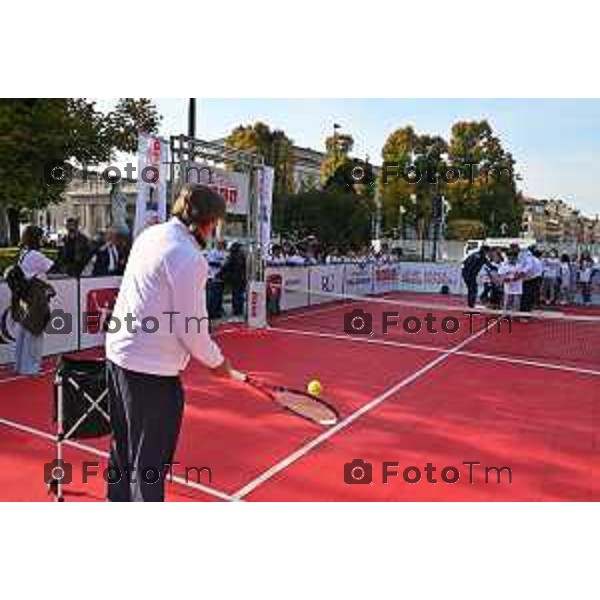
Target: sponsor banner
412,277
232,185
264,181
358,279
64,325
151,201
435,276
257,305
97,298
326,283
286,288
387,278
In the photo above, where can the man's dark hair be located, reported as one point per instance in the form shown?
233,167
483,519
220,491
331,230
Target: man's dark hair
484,249
198,205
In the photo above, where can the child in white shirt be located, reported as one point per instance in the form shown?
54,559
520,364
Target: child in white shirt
565,278
512,276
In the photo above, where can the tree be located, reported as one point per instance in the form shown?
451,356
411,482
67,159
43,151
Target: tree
337,155
338,220
487,191
409,187
275,147
465,229
38,133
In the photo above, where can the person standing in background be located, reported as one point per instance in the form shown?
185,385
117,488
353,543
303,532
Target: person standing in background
214,287
537,276
528,267
233,274
30,306
74,254
585,270
110,257
513,283
470,271
565,293
550,285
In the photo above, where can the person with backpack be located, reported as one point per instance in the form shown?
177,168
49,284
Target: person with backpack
30,301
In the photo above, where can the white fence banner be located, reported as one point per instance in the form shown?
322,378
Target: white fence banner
62,333
435,276
287,287
386,278
412,277
97,297
358,279
326,283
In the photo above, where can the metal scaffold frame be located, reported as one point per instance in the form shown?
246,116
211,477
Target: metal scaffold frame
185,150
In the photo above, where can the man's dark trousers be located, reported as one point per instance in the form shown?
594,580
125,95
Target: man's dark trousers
472,289
145,414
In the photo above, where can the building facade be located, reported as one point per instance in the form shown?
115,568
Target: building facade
553,221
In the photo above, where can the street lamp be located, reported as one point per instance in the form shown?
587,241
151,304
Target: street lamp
192,118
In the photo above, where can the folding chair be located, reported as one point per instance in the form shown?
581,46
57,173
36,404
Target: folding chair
80,410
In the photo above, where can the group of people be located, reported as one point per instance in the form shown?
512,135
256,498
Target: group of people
227,271
79,256
309,252
524,279
32,292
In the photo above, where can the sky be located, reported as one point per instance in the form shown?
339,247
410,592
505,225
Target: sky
556,142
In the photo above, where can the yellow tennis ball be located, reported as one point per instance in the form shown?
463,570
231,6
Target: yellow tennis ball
314,387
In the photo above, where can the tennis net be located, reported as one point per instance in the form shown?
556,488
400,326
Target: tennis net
567,338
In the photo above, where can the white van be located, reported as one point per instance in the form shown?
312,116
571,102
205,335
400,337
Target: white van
474,245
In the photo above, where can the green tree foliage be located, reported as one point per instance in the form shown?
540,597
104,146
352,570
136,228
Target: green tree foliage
409,187
39,132
337,155
338,220
274,146
487,192
465,229
353,177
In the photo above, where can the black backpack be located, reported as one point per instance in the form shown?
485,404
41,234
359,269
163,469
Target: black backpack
16,280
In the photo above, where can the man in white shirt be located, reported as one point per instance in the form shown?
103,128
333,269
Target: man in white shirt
532,268
551,277
159,322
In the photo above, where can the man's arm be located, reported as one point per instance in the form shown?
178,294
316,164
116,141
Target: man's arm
191,324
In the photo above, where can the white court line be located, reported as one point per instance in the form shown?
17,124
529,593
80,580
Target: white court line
309,311
19,377
481,355
90,449
306,448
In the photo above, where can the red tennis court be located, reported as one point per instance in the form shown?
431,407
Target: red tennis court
477,414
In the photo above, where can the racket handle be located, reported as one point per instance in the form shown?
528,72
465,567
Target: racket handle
238,375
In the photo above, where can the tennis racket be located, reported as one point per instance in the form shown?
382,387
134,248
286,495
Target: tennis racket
303,404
